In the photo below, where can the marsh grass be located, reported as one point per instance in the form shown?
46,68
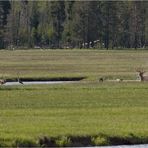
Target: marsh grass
72,63
79,109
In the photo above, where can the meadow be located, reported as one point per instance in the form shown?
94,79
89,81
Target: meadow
72,63
87,107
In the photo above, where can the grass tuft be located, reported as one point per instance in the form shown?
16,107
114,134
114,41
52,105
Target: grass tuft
100,140
24,143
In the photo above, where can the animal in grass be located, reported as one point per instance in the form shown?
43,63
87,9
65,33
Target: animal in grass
101,80
142,76
119,80
2,81
18,79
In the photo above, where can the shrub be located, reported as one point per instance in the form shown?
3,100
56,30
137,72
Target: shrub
3,144
99,141
24,143
63,141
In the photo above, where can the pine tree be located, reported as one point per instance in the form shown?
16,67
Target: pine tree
86,22
45,29
58,18
67,33
4,11
34,23
57,23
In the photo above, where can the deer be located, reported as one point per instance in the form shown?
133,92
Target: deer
142,77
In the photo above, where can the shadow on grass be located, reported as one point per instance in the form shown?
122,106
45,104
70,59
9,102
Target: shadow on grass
48,79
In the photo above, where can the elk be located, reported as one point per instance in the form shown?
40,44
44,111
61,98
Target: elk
142,77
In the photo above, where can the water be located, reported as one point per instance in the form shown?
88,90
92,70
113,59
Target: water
56,82
38,82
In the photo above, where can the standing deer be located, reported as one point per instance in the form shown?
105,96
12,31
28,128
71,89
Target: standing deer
142,77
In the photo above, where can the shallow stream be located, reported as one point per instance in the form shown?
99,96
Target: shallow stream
37,82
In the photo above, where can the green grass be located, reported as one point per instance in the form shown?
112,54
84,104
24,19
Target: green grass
68,63
78,109
82,108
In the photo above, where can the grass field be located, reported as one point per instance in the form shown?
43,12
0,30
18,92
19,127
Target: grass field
82,108
69,63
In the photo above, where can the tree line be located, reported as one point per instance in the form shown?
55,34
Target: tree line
73,24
